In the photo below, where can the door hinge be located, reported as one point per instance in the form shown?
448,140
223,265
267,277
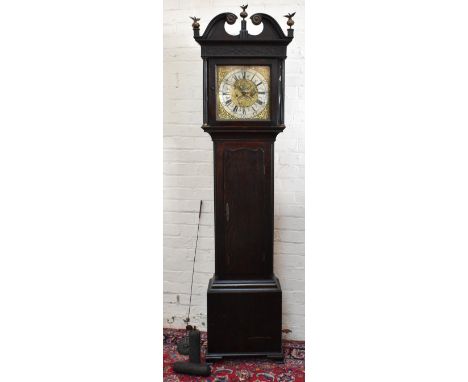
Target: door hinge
227,212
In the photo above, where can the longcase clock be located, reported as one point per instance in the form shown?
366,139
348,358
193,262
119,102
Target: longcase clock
243,111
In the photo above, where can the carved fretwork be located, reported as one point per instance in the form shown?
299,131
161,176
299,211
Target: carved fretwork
251,50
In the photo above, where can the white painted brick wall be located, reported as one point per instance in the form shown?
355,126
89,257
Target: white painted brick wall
188,167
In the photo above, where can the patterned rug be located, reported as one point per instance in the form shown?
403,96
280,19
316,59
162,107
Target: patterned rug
255,370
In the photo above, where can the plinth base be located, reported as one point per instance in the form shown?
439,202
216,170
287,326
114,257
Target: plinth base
244,319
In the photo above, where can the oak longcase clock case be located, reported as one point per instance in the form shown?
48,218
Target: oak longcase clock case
243,111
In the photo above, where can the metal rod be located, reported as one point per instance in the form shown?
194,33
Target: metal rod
194,256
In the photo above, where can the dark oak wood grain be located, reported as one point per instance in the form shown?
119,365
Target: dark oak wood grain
246,214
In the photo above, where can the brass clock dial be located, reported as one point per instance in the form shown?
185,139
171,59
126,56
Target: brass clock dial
243,93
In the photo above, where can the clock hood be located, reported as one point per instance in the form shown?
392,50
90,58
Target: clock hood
215,31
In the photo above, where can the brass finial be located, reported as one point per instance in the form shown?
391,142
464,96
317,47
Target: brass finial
243,14
195,24
290,20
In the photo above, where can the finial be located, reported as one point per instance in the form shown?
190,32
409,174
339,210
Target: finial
243,14
195,24
290,20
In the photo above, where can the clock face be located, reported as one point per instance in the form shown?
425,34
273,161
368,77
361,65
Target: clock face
243,92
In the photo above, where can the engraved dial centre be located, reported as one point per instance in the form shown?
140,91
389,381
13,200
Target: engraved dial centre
244,93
